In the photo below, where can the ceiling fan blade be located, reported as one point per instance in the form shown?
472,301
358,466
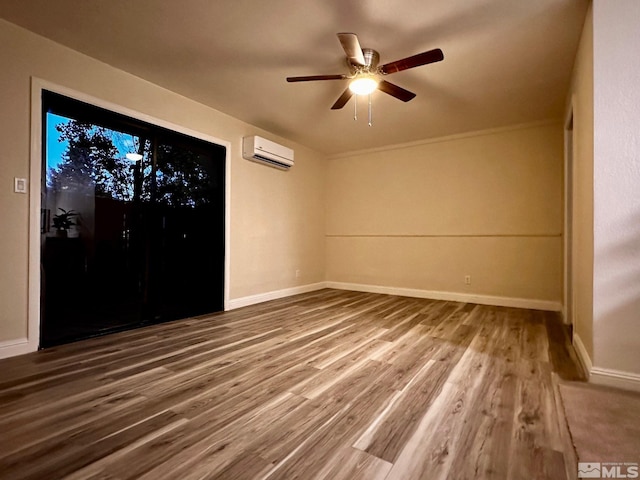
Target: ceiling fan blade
423,58
342,101
310,78
352,48
395,91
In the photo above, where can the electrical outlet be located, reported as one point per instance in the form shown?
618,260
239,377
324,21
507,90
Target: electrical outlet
467,279
298,273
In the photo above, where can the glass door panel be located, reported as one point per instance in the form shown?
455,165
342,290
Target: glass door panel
126,240
189,196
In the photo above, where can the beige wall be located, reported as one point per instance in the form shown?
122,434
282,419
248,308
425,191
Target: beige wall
423,216
581,99
616,189
605,98
277,225
276,217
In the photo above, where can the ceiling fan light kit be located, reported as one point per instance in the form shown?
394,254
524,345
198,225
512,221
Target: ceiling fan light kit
365,73
363,85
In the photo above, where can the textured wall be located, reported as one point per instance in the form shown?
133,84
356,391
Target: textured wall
616,269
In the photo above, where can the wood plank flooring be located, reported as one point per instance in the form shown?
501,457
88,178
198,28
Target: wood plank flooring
327,385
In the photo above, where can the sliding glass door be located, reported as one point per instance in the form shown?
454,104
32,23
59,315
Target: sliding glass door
132,223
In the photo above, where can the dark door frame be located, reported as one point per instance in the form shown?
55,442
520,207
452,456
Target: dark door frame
31,340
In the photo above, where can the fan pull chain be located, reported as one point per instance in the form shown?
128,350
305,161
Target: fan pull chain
355,107
370,110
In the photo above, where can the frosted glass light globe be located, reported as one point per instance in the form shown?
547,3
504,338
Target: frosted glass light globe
363,85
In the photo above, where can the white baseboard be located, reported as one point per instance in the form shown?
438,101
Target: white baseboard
605,376
615,378
583,355
451,296
274,295
19,346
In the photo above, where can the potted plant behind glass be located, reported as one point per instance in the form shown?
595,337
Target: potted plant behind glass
62,222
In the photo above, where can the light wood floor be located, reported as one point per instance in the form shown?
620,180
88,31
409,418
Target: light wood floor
331,384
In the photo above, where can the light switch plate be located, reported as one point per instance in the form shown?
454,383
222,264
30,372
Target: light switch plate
20,185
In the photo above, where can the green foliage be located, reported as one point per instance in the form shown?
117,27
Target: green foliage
181,179
63,221
91,161
93,164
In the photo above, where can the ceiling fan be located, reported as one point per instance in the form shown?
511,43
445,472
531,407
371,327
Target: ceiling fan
364,71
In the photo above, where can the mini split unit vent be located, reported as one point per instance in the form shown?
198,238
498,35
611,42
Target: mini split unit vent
261,150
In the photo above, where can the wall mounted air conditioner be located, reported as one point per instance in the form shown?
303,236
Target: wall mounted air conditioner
264,151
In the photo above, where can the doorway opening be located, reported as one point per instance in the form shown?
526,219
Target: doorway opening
132,223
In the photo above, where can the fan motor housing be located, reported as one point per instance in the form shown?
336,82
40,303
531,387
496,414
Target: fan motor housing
371,57
371,60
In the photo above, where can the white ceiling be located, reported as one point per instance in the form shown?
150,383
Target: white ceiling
506,61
